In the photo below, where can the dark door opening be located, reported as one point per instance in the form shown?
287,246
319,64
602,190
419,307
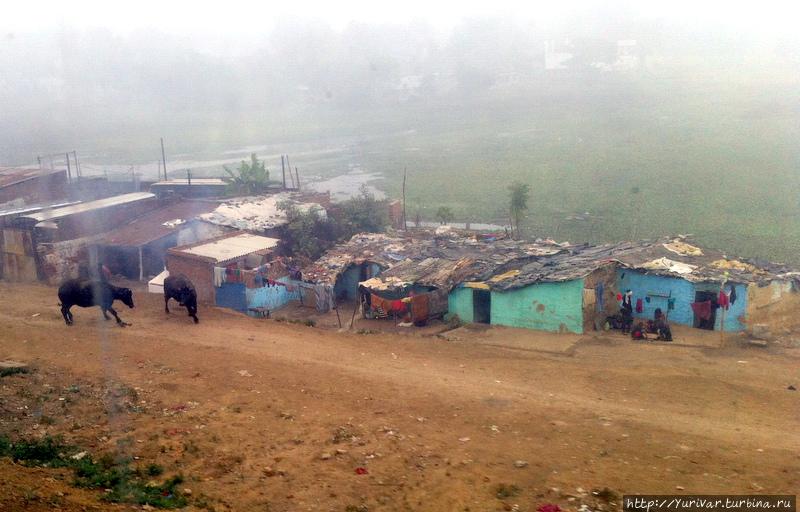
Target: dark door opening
481,306
708,323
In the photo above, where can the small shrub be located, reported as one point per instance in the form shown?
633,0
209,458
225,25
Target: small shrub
154,470
503,491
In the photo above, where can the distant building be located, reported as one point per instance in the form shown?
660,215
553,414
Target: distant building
206,263
557,54
190,187
20,186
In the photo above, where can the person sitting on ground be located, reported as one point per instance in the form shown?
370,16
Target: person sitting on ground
664,333
638,332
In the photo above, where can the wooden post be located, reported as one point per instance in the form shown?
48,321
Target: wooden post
291,176
39,159
298,176
189,177
405,225
353,318
69,172
77,165
338,318
141,265
283,172
164,158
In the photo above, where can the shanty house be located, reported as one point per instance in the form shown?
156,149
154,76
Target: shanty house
558,290
221,268
138,249
55,241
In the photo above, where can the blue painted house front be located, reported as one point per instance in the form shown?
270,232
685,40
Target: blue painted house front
658,291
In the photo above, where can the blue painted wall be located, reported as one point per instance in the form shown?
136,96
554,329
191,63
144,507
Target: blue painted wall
232,296
644,285
272,297
554,307
736,313
459,302
347,283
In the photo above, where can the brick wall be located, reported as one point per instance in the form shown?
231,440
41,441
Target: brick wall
199,272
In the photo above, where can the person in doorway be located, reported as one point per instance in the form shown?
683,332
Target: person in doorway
627,311
103,272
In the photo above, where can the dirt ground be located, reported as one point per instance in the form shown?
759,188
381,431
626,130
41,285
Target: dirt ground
259,415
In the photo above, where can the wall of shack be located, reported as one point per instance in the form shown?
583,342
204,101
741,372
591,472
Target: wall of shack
459,302
553,307
656,290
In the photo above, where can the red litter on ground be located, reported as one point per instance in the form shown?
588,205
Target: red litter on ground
361,471
548,507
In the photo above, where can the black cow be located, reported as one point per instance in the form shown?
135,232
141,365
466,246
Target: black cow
87,293
179,287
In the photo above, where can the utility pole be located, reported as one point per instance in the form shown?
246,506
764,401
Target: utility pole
405,226
69,171
164,158
298,177
289,165
283,172
39,159
77,165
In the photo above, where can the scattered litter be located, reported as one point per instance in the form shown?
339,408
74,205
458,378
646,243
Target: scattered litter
520,464
361,471
35,315
78,456
463,439
495,429
325,456
791,388
742,362
548,507
679,487
245,373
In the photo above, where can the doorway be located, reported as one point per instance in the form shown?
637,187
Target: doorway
481,306
708,323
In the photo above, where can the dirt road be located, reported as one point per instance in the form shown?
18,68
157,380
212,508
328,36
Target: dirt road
262,415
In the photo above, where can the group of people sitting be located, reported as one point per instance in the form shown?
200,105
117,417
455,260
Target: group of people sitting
639,331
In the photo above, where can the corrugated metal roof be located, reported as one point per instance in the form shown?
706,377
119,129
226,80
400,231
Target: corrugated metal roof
230,248
157,224
35,208
14,175
195,181
88,206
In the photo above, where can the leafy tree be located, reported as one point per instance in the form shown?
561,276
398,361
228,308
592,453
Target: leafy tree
444,214
307,233
520,193
250,178
362,213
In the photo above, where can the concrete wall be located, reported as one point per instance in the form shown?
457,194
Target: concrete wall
683,291
775,305
232,296
554,307
459,302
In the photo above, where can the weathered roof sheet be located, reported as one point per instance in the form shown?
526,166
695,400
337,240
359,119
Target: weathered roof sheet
14,175
257,213
509,264
157,224
57,213
230,248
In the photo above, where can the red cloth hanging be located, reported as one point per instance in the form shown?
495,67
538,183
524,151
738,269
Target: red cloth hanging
723,299
639,305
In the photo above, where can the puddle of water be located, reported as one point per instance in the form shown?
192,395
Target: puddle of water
348,185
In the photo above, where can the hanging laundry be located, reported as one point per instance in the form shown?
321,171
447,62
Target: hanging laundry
702,309
732,296
670,304
599,296
219,276
639,305
723,299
